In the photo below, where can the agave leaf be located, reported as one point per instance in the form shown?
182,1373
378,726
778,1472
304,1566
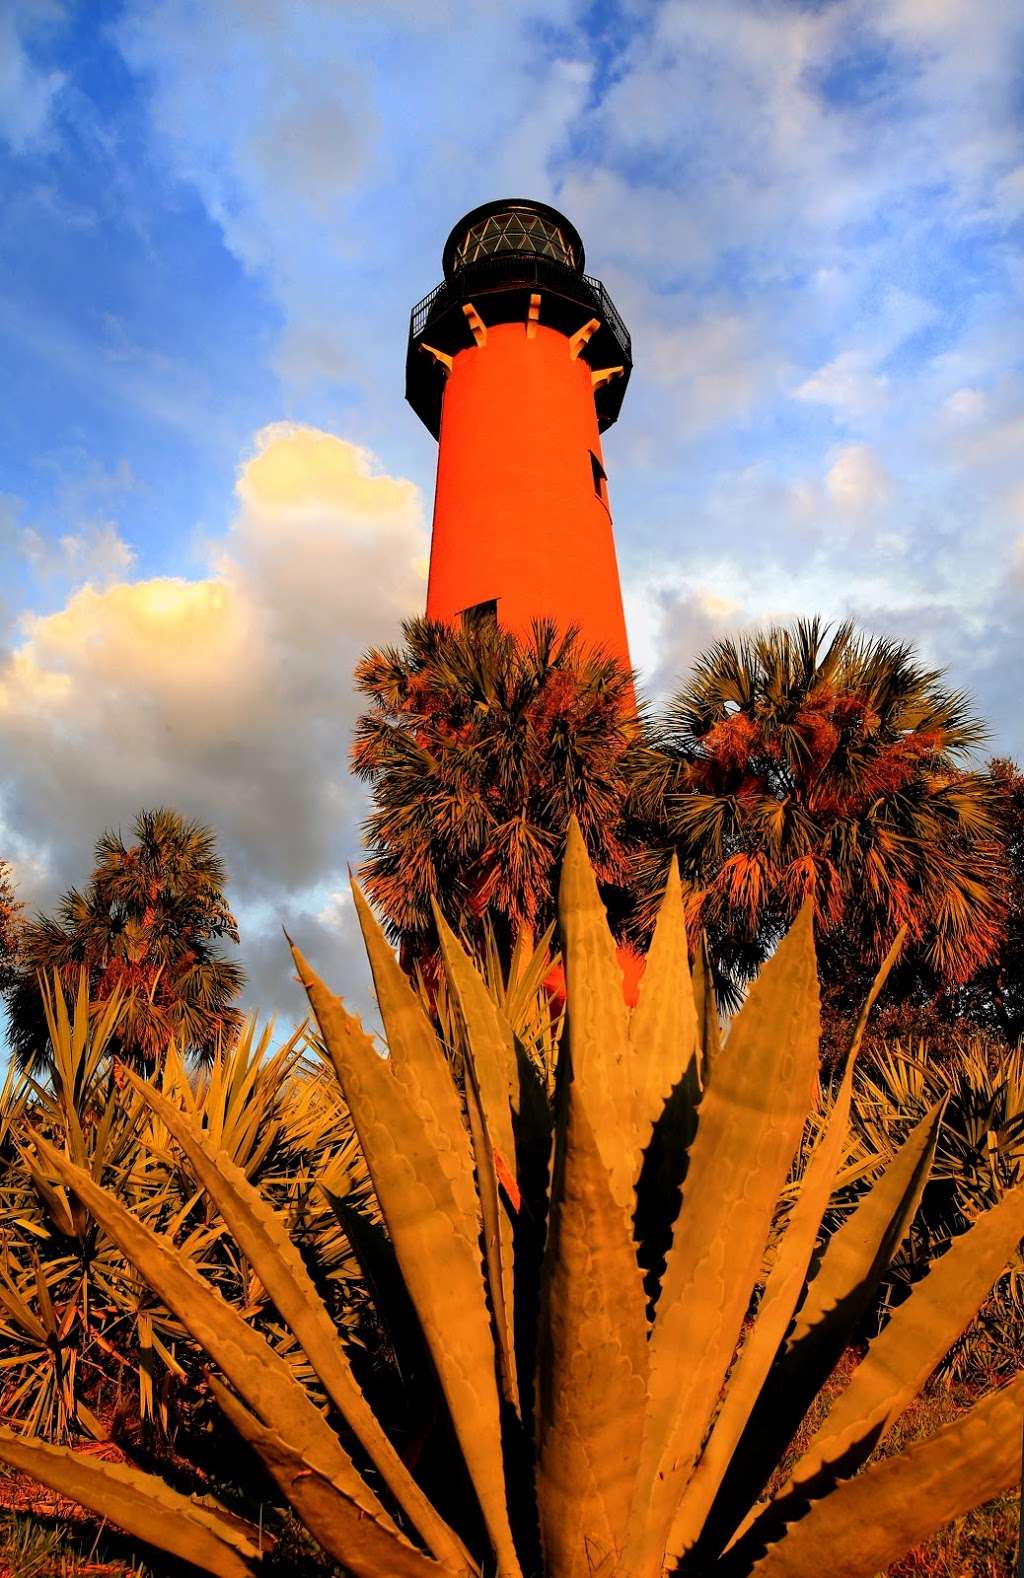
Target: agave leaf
488,1033
592,1362
782,1292
111,1132
871,1521
708,1025
66,1045
364,1547
663,1025
918,1333
379,1266
749,1123
264,1242
861,1248
418,1063
88,1420
854,1259
139,1503
666,1066
440,1261
491,1070
44,1301
602,1068
256,1372
497,1236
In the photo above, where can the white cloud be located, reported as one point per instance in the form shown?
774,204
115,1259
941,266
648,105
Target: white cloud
714,367
27,92
961,86
1018,561
855,383
1008,195
965,405
322,138
849,384
857,482
686,621
97,555
228,697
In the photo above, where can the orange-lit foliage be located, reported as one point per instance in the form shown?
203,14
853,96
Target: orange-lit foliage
478,747
147,926
921,1004
831,768
10,927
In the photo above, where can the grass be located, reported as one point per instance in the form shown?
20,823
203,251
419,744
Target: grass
27,1548
31,1547
981,1545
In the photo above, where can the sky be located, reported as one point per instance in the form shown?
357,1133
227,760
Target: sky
213,498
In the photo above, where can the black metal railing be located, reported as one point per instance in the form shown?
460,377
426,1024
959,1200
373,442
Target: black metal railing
421,311
611,314
504,269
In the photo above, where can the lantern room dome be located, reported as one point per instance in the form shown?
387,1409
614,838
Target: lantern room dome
513,224
514,261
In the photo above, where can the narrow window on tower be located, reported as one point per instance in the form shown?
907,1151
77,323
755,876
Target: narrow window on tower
480,614
600,480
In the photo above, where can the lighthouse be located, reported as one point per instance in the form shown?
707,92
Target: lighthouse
517,363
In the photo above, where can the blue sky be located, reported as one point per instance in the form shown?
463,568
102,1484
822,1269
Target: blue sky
212,496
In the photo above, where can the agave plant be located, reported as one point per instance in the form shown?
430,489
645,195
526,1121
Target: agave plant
620,1383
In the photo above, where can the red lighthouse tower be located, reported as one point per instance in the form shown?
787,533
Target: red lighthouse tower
518,362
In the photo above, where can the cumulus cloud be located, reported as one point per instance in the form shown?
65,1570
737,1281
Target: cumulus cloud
857,482
688,620
229,696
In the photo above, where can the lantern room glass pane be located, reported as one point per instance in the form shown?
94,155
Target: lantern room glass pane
515,232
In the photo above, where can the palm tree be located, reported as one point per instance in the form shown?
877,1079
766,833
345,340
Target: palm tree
147,927
994,997
478,748
794,763
10,927
919,1005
